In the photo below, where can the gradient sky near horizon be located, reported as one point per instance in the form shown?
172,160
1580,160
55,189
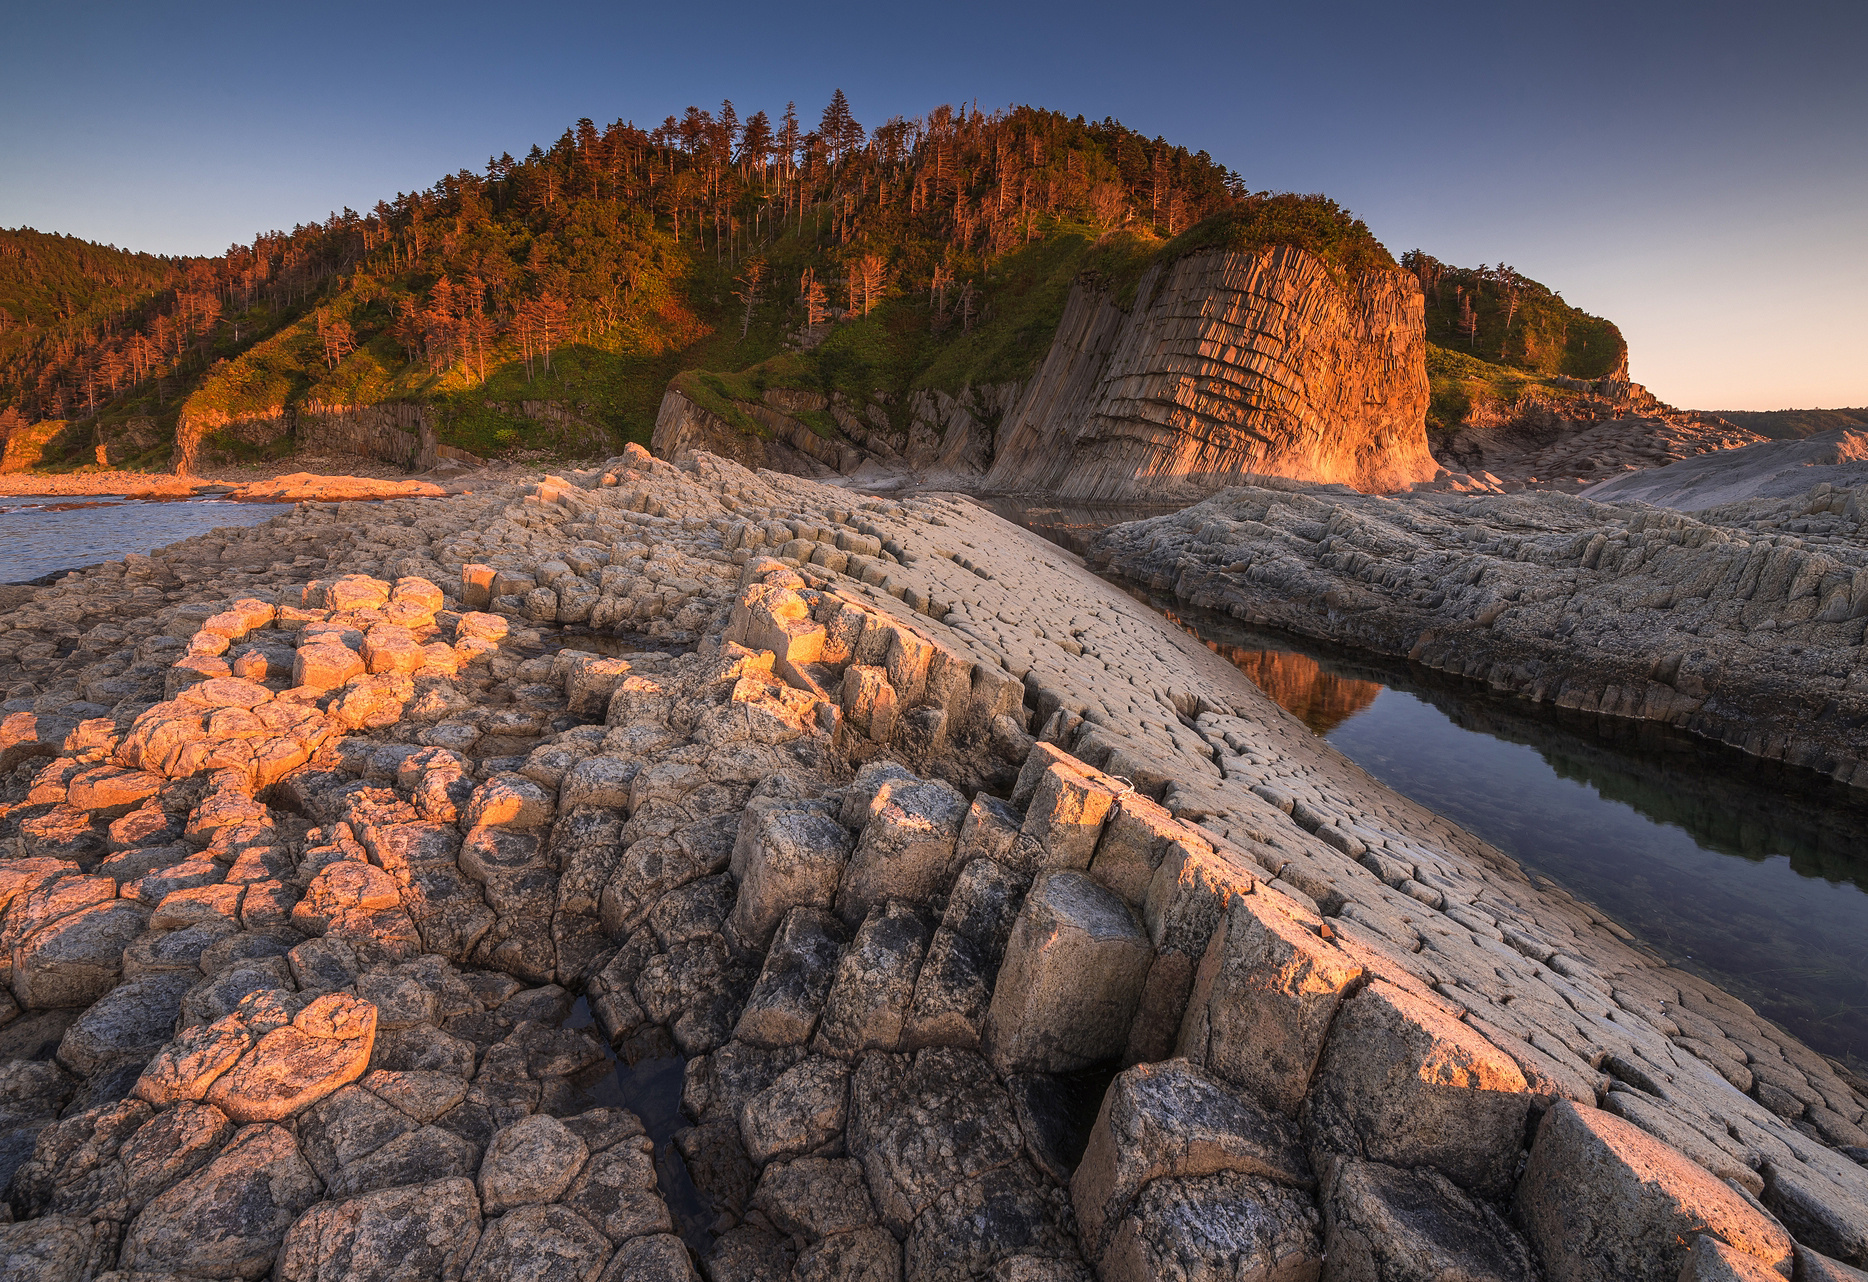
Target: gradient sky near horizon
1696,172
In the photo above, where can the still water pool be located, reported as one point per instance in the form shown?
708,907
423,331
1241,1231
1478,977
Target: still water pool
1750,874
42,534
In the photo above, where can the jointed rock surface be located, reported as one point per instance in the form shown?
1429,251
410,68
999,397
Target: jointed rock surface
1004,932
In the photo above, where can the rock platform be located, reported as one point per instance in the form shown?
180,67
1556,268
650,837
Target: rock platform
1741,623
1006,932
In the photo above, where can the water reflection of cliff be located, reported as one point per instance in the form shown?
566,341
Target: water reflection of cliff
1724,801
1300,685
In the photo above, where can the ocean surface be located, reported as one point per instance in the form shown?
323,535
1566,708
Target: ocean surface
44,534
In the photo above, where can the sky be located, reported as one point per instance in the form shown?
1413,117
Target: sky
1698,173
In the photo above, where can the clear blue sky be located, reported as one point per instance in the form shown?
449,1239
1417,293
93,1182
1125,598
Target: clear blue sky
1697,173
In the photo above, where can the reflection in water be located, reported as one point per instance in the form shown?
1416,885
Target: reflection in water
1320,699
1752,874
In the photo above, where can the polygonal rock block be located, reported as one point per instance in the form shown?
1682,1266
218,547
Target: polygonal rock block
1189,892
533,1160
229,1218
1065,816
1827,1210
797,861
1237,1227
388,648
325,665
906,850
509,801
868,702
356,592
1071,979
1710,1260
874,984
1403,1082
1603,1200
423,1230
75,959
1134,838
327,1045
801,1111
1172,1120
1381,1223
790,992
1263,997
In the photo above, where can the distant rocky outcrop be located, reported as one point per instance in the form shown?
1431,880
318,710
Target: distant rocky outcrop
1740,624
1228,363
1768,469
1225,364
1567,434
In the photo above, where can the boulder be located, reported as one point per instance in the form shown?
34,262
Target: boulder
1071,980
1239,1228
800,1112
1601,1199
1172,1120
420,1231
874,984
1401,1081
906,850
228,1218
1263,997
799,968
1385,1224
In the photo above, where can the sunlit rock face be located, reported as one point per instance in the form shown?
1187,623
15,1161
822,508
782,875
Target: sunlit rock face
1226,364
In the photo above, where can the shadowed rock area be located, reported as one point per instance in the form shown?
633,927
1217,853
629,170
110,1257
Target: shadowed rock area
895,824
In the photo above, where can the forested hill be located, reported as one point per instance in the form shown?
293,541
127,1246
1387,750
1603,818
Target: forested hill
1499,316
588,273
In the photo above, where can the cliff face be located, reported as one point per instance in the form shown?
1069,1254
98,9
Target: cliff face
1229,363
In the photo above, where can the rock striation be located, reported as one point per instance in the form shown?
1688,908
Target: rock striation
994,928
1739,623
1226,364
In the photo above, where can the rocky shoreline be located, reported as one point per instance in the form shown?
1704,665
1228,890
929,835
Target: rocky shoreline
1006,932
1742,623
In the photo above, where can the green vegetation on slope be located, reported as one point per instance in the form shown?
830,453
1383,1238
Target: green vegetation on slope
587,275
1494,314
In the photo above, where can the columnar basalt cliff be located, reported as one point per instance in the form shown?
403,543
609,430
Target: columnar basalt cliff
1228,363
884,828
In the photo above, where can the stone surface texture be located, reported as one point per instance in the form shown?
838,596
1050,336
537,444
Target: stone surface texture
713,872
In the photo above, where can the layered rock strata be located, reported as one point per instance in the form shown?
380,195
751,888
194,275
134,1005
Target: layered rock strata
1227,364
1223,365
1742,623
908,831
